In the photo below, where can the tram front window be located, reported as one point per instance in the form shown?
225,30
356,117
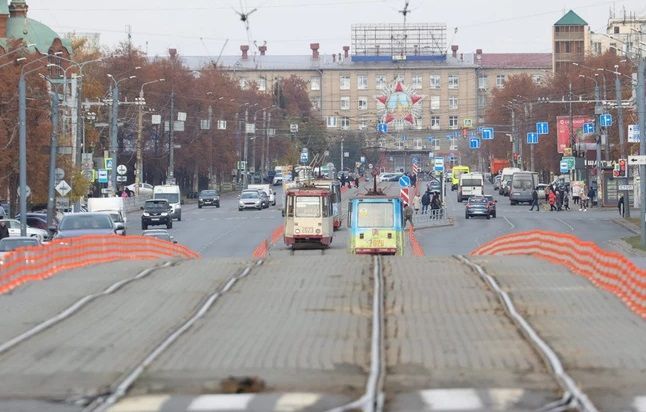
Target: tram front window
308,207
375,215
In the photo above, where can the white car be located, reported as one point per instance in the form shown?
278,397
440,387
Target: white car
14,230
145,189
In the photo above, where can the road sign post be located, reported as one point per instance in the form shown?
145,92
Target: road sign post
403,194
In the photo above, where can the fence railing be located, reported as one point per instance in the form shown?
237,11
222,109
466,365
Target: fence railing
608,270
32,263
433,217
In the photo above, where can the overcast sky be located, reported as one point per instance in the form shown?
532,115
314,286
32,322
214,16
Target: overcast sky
202,27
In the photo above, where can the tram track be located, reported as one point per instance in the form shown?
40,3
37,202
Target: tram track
573,396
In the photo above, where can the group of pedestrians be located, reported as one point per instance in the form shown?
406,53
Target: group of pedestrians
423,202
559,198
349,180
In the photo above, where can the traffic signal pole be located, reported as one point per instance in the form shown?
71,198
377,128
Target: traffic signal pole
622,143
641,110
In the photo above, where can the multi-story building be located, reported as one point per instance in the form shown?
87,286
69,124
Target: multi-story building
621,36
397,75
570,41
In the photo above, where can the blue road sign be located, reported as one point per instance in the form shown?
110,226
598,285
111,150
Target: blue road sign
438,164
103,176
304,157
404,181
474,143
532,138
605,120
588,128
487,133
382,127
415,159
565,167
542,128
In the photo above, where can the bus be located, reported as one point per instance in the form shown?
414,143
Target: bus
455,175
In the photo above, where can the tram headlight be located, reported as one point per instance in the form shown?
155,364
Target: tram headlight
297,231
318,231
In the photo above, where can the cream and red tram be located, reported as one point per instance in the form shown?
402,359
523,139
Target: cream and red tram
309,217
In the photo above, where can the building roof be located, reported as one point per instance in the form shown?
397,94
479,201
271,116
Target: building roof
571,19
324,62
516,60
32,31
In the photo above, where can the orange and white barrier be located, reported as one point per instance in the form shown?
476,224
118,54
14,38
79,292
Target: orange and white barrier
608,270
32,263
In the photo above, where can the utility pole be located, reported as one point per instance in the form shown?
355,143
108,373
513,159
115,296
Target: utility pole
513,138
114,136
210,118
253,143
574,151
263,169
267,158
140,126
245,149
342,155
22,116
622,143
79,121
641,110
598,109
531,146
53,151
171,141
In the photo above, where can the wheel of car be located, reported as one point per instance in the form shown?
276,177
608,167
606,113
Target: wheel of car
199,206
274,204
488,217
466,215
144,227
179,218
239,209
494,215
217,205
169,225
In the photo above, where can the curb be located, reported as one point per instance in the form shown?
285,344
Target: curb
627,225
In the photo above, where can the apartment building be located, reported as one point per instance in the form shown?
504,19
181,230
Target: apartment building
570,41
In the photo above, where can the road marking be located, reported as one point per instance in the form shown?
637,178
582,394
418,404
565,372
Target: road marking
471,399
640,404
566,224
238,402
150,403
510,224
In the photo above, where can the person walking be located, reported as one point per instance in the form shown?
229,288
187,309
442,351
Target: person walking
583,204
408,215
566,201
552,200
356,181
576,194
621,205
342,179
4,230
535,201
591,195
417,202
426,200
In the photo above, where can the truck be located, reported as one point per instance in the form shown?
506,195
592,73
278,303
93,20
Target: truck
496,165
114,207
173,194
471,184
522,185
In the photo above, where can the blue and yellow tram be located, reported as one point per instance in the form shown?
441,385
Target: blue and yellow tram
376,225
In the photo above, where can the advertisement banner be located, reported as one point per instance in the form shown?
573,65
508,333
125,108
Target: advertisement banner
563,133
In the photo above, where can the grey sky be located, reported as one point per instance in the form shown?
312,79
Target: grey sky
200,27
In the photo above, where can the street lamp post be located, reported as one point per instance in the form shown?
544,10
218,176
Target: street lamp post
598,109
114,127
140,102
622,143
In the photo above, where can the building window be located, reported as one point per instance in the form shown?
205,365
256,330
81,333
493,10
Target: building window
380,81
363,123
363,103
482,82
331,121
345,123
315,83
398,124
434,81
316,103
345,102
482,101
454,81
453,102
416,82
262,84
362,82
453,122
435,103
400,78
500,80
345,82
243,83
418,123
537,78
435,142
435,122
616,29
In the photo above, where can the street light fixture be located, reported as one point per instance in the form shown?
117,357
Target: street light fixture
141,102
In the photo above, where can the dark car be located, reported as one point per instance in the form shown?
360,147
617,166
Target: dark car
208,197
80,224
477,206
492,205
39,221
156,212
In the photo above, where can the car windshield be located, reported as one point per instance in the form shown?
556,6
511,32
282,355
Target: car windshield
478,200
471,182
249,195
523,183
208,193
8,244
86,221
171,197
375,215
308,206
156,206
116,217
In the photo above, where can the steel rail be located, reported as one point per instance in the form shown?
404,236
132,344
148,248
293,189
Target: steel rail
573,395
120,389
76,306
373,398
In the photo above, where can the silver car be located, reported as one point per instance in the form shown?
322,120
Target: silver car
250,200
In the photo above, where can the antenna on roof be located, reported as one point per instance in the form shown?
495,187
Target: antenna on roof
405,10
244,18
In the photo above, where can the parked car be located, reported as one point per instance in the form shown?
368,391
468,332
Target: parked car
80,224
492,205
250,200
208,197
145,189
39,221
156,212
477,206
13,226
11,243
162,234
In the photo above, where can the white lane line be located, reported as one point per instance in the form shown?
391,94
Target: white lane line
566,224
75,307
148,403
466,399
640,403
510,224
238,402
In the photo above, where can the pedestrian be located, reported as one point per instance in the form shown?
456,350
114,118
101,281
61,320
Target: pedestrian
408,215
413,180
2,212
535,200
426,201
124,194
356,181
576,194
552,200
621,205
436,205
417,202
591,195
4,230
342,179
583,204
566,201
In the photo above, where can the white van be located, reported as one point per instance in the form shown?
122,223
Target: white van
471,184
268,190
114,207
174,197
